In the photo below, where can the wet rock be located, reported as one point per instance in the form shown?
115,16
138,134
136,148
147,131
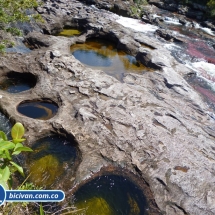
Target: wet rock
183,21
147,19
168,35
208,24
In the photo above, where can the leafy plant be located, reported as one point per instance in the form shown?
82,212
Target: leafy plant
41,210
9,148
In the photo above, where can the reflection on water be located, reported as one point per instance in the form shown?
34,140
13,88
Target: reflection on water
110,195
100,54
52,157
92,58
38,110
17,82
69,32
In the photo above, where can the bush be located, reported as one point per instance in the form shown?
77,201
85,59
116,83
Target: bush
211,5
9,148
12,11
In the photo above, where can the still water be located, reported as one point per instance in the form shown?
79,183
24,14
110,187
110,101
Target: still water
110,195
38,109
5,124
103,55
52,157
17,82
70,32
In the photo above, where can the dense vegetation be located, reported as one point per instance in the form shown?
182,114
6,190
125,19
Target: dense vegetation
209,3
11,12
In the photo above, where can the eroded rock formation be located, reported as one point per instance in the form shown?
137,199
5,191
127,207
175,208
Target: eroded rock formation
153,124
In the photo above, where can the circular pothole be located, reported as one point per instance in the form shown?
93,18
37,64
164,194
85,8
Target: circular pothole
38,109
15,82
53,160
110,195
113,192
103,54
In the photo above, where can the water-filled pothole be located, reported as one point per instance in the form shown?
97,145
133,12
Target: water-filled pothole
53,159
110,195
14,82
101,54
38,109
70,32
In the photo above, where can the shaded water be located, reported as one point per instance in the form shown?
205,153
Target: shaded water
101,54
20,47
110,195
38,109
17,82
52,157
5,124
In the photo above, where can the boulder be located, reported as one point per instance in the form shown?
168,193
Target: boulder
168,35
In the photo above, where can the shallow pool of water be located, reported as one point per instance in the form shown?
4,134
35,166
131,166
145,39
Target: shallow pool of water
17,82
38,109
100,54
110,195
52,158
70,32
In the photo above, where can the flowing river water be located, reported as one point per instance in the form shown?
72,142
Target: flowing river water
197,51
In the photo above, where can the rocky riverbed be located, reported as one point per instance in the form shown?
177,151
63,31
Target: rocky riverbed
152,124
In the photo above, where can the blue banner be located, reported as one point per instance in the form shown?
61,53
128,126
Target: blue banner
34,196
30,195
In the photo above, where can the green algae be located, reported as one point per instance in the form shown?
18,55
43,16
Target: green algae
69,32
51,160
93,206
110,195
45,169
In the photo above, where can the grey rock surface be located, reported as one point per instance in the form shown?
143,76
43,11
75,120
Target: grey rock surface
153,124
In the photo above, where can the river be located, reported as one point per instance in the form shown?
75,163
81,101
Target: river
195,52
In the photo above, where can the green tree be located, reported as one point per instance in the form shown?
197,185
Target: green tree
211,5
12,11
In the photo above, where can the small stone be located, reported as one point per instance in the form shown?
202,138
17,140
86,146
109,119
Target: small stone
56,53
